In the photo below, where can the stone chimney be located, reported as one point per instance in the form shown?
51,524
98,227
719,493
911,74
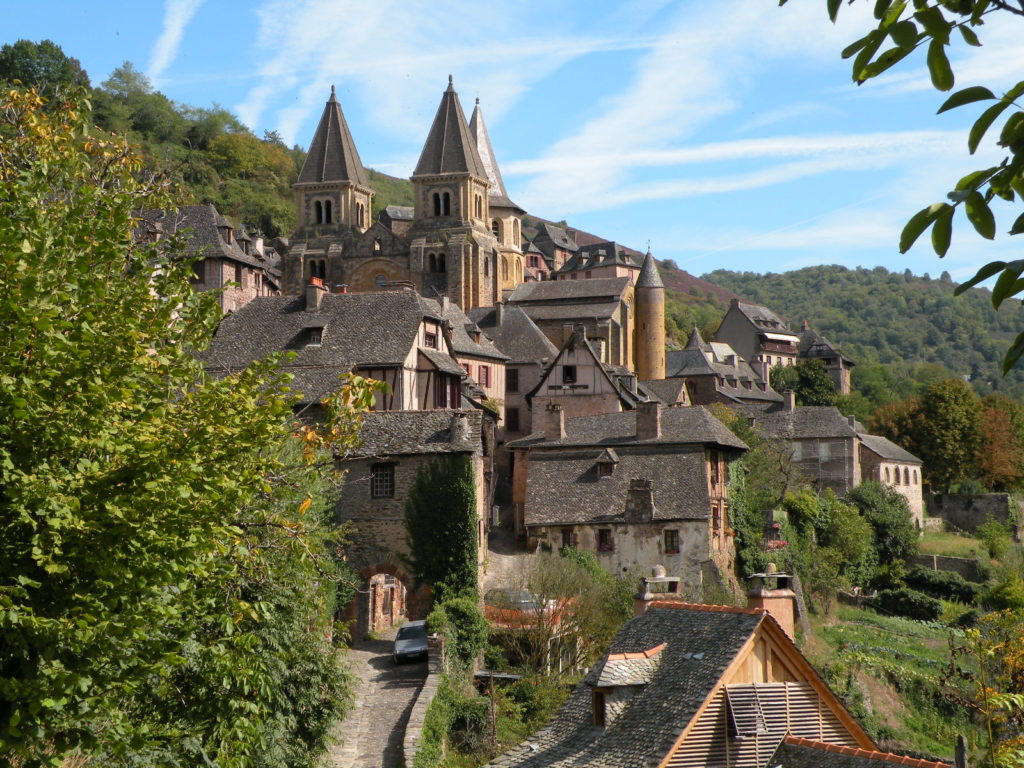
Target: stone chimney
554,422
656,586
648,421
458,432
852,421
499,314
639,501
257,244
314,293
790,400
341,288
771,592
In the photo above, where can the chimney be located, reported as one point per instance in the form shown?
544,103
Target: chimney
257,244
314,292
458,432
341,288
654,586
790,400
554,424
639,501
648,421
852,421
499,314
770,591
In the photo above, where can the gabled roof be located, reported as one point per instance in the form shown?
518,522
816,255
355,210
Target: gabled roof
332,154
206,233
814,345
497,193
887,449
679,426
700,358
394,433
516,336
400,212
565,290
602,254
668,391
463,330
795,752
358,329
804,422
763,318
649,276
700,645
450,146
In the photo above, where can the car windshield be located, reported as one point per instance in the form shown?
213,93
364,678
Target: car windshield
411,633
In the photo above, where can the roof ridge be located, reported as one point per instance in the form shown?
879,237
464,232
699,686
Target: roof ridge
888,757
711,608
649,653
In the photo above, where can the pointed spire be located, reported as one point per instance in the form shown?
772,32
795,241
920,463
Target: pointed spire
696,342
497,193
332,153
450,147
649,277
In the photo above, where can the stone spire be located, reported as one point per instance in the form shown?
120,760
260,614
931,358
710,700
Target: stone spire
649,277
332,153
497,193
450,147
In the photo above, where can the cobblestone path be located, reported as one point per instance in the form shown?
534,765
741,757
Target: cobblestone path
373,731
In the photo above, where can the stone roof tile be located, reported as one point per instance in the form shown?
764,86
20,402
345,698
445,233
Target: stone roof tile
332,154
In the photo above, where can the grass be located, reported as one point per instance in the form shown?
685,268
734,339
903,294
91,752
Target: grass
952,545
888,671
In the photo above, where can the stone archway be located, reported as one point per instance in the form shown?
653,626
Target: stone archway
385,599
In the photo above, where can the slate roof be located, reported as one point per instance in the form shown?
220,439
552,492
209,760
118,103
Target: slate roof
517,336
569,290
795,752
602,254
498,196
332,154
206,236
565,486
887,449
396,433
763,318
462,338
400,212
813,345
679,426
359,329
649,276
804,422
699,646
617,669
557,236
450,147
667,391
569,310
700,358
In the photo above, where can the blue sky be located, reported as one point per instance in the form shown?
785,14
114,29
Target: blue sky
727,133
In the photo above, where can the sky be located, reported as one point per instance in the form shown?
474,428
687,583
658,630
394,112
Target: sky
724,135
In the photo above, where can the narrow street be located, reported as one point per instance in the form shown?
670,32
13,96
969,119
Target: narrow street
372,733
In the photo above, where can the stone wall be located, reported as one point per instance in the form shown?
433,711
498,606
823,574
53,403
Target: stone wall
968,567
414,728
965,512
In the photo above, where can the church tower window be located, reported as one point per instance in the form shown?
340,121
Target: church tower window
446,204
376,245
515,232
487,267
440,262
436,197
327,212
504,269
496,229
318,208
432,261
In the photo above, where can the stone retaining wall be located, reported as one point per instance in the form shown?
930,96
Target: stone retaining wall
966,512
968,567
414,728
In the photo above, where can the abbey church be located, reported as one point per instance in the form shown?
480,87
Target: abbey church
462,239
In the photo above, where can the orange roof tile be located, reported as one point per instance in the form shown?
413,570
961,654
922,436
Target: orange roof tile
887,757
641,655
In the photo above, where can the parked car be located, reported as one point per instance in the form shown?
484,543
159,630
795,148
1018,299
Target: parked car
411,642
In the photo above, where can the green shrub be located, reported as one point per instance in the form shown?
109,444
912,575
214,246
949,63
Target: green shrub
996,537
944,585
462,623
1007,593
909,603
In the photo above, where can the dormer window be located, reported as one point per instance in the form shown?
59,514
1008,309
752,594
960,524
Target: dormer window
605,469
313,337
430,340
376,245
568,374
598,705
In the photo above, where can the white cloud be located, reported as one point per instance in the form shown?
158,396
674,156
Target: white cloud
177,15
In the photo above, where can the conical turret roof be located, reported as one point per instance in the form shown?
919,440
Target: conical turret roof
497,194
649,277
450,147
332,153
696,342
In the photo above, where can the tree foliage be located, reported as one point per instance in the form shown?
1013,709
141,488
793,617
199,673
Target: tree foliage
809,379
441,523
165,570
935,26
885,509
42,66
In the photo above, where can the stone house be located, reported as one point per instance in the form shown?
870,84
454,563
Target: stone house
394,447
715,373
397,337
529,352
555,246
640,488
535,267
606,259
759,336
476,353
704,686
884,461
814,346
230,261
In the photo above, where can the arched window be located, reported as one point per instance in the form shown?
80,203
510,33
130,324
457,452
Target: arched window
519,274
515,231
440,262
432,260
487,267
479,205
436,197
916,478
327,212
888,476
906,476
446,205
504,269
376,245
318,209
380,280
496,228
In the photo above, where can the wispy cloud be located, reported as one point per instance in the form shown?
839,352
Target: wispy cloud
177,15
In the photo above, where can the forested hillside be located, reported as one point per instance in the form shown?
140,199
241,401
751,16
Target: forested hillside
911,323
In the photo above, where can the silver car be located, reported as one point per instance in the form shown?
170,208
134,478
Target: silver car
411,642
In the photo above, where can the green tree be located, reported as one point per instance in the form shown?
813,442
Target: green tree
42,66
948,432
441,523
936,25
147,557
809,379
895,537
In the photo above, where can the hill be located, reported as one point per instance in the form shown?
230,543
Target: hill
894,318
